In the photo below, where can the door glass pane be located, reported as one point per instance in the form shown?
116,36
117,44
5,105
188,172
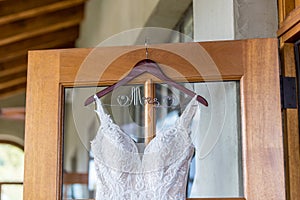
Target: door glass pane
216,167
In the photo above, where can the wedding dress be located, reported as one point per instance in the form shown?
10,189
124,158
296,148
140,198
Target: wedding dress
159,173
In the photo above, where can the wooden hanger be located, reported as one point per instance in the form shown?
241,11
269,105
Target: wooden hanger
143,66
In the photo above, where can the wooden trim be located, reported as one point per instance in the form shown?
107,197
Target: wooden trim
289,32
254,62
281,13
55,40
149,111
284,8
223,63
38,32
13,70
261,126
40,10
291,131
11,183
290,21
14,92
43,134
13,82
75,178
292,35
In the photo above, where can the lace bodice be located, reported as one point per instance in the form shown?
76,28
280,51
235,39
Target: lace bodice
159,174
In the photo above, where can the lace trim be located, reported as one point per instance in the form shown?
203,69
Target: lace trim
156,155
162,172
115,149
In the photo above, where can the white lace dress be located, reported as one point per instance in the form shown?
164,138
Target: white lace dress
159,174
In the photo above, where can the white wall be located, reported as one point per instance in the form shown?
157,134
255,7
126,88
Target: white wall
213,20
234,19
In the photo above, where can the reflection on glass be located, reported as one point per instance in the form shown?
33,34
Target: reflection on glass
215,170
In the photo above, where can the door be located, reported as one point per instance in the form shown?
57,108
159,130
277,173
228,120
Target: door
251,63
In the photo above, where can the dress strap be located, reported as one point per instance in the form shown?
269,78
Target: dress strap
100,110
188,113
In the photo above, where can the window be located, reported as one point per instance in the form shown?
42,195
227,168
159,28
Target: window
11,171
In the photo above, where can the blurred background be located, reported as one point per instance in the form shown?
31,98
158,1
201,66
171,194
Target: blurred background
50,24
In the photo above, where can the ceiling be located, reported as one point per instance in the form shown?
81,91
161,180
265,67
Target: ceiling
29,25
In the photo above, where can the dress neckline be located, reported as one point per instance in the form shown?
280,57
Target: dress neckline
100,110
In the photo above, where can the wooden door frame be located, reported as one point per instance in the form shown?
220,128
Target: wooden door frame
253,62
288,34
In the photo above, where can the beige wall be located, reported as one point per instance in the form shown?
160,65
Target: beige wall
104,18
255,18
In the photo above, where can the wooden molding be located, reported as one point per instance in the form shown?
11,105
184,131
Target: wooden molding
284,8
291,130
289,28
39,11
